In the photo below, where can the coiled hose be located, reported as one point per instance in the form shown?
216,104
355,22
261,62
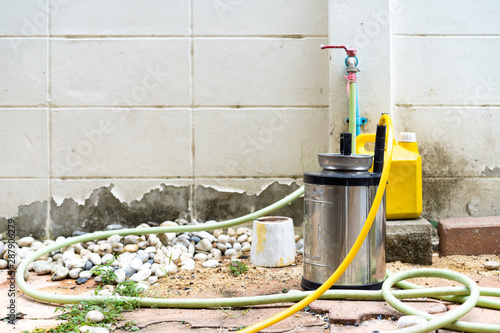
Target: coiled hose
468,295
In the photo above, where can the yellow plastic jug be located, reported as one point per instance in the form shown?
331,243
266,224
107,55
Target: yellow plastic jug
404,188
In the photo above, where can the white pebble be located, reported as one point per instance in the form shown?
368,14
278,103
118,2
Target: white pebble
223,239
43,269
185,256
94,329
204,245
407,321
211,263
95,258
215,255
246,248
200,257
240,231
141,275
191,248
206,235
60,273
25,241
85,274
120,275
237,246
150,249
136,263
75,273
492,265
221,247
36,245
107,258
188,264
114,239
153,240
242,238
94,316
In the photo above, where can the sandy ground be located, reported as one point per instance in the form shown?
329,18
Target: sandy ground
218,282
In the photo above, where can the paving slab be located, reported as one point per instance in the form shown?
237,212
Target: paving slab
225,319
469,235
356,312
327,316
365,327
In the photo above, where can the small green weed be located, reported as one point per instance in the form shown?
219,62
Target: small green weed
128,288
106,273
131,326
75,315
236,268
163,269
111,308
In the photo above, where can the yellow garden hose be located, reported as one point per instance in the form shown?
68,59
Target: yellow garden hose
384,120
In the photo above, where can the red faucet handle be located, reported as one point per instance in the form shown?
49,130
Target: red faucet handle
351,51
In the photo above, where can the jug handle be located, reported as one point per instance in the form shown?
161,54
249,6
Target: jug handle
362,140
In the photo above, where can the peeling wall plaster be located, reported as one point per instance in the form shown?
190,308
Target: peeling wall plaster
166,203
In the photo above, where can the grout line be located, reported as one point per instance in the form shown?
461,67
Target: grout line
190,36
209,178
446,35
446,106
48,230
192,194
163,107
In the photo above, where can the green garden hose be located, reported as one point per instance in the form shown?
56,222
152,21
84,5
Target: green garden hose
469,295
448,293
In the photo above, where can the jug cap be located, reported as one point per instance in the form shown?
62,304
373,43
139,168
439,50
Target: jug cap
407,137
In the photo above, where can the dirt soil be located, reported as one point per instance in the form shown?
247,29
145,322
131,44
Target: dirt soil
219,282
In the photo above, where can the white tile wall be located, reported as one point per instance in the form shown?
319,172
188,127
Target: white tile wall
453,140
24,143
120,72
260,17
464,196
24,18
120,17
23,69
146,91
446,17
260,72
259,142
451,71
136,143
16,192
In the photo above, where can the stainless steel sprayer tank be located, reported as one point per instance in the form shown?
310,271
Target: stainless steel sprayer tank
336,205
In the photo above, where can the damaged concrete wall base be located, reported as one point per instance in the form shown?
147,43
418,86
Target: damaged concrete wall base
102,208
211,204
167,203
30,220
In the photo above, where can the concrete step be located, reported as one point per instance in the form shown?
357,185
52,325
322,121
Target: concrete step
409,241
